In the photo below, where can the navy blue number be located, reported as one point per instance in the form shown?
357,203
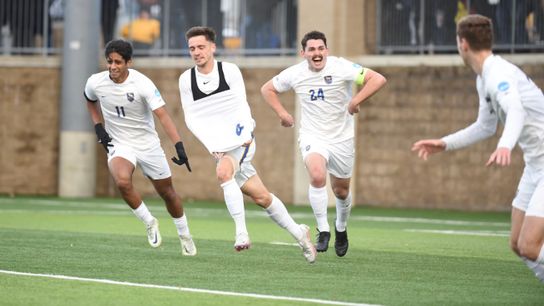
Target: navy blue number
314,95
120,111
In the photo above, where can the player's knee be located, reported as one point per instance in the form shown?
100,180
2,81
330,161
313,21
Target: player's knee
167,194
223,176
528,250
340,192
262,199
514,246
123,184
318,181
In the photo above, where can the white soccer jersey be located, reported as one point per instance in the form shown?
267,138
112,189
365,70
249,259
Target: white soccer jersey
506,94
127,107
324,97
216,108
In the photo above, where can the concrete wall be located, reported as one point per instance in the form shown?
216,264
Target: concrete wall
29,106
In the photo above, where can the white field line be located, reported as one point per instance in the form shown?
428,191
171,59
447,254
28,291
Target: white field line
185,289
470,233
97,208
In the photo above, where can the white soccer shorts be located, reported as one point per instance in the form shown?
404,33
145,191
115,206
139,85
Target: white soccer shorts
530,194
242,157
339,156
152,162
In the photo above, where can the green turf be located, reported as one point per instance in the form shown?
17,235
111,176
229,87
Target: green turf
390,261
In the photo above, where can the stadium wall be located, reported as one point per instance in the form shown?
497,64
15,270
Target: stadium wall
422,99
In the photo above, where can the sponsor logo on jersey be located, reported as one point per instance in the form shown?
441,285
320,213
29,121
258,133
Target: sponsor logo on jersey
328,79
130,96
503,86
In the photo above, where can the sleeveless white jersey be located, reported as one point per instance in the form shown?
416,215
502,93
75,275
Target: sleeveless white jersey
507,95
216,108
324,97
127,107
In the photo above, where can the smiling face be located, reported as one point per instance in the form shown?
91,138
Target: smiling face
117,67
201,51
315,53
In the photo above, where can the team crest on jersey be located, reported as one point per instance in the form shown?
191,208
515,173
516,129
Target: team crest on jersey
503,86
130,96
328,79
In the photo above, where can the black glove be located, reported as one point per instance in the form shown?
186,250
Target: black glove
103,136
182,156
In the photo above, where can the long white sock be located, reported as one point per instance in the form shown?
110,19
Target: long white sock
143,213
235,204
343,209
318,200
182,226
537,268
540,258
277,212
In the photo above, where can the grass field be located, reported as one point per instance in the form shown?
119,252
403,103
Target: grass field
95,252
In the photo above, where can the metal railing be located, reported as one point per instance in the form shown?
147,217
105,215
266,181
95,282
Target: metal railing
244,27
428,26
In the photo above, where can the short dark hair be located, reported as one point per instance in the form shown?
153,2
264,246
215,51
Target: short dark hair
477,30
207,32
313,35
121,46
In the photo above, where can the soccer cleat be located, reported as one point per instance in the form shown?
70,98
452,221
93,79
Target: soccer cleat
308,248
188,247
242,242
341,242
322,241
153,234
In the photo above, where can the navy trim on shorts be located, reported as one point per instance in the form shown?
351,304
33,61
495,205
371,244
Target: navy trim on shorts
245,154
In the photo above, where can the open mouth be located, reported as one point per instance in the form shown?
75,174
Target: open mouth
317,59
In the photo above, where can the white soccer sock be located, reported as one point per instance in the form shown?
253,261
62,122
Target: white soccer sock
143,213
277,212
539,265
540,258
235,205
537,268
182,226
319,199
343,209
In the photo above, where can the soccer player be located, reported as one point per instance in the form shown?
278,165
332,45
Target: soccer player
323,84
213,97
121,102
507,95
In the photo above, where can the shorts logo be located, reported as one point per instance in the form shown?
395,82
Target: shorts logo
503,86
239,129
328,79
308,148
130,96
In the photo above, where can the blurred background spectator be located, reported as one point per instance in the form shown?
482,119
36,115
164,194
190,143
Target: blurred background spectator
143,31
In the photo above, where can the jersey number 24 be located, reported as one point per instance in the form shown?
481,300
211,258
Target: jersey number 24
317,94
